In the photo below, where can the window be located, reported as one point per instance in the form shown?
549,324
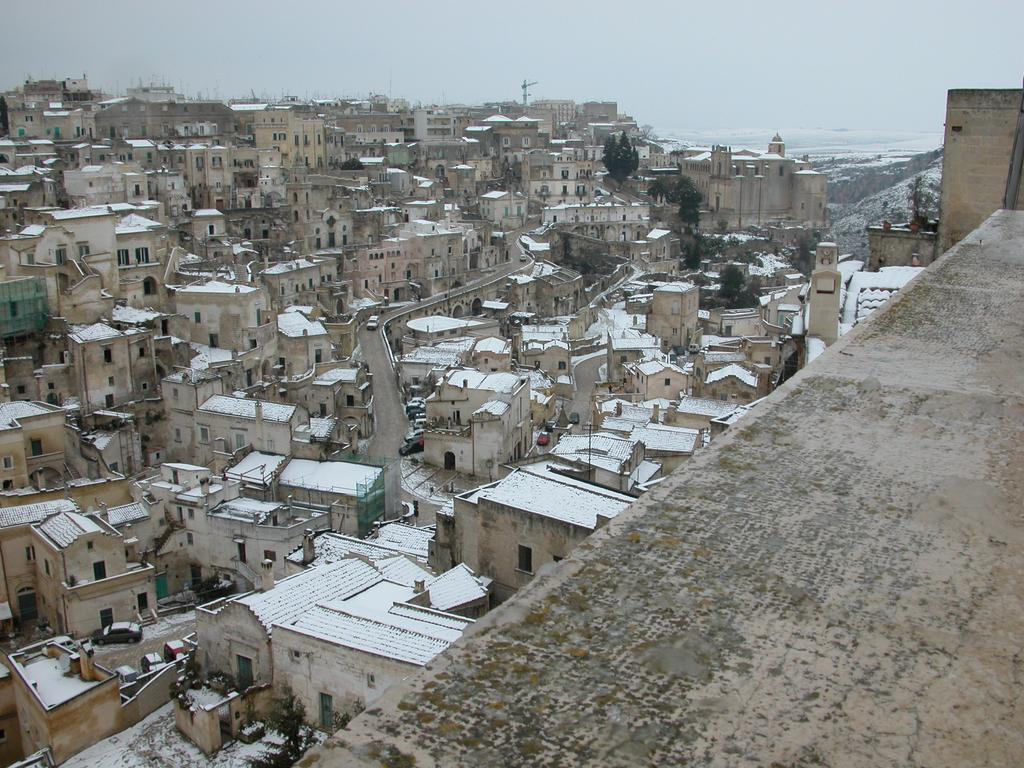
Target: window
142,353
371,680
88,545
239,440
269,554
326,711
46,566
8,462
142,255
525,559
197,317
204,435
177,435
60,255
37,446
83,250
30,553
188,536
122,257
108,355
191,514
99,570
106,617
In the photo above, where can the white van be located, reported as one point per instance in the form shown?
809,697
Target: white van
373,322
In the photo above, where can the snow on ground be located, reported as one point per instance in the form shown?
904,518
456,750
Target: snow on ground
154,742
577,359
173,627
615,319
770,264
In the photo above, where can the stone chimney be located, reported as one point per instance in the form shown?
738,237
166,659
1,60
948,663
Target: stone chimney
618,407
419,585
86,669
266,575
656,413
259,412
308,550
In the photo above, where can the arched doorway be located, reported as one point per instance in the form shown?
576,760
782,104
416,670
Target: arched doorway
478,307
457,311
449,460
149,287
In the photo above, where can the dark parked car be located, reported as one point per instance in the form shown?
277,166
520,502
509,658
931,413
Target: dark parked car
574,418
412,446
118,632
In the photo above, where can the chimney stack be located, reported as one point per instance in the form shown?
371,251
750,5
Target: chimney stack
267,575
419,585
308,550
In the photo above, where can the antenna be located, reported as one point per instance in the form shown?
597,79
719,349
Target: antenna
525,86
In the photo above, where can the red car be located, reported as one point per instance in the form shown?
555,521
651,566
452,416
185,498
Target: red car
543,439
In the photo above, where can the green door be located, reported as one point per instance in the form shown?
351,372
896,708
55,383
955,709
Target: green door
161,586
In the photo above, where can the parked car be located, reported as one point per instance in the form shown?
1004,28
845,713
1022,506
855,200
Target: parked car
412,446
118,632
693,349
549,426
574,418
151,661
543,438
174,649
127,674
373,322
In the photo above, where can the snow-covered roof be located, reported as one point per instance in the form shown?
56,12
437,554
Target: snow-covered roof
340,477
330,547
256,467
203,213
93,332
455,588
555,496
333,376
500,382
65,528
217,286
492,408
407,539
494,345
284,267
439,324
296,325
867,291
667,439
26,514
733,370
724,357
133,315
246,409
704,406
11,411
127,513
676,287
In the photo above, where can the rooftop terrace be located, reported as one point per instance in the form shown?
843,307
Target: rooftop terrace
835,581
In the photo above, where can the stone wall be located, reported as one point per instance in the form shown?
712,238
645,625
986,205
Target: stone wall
980,125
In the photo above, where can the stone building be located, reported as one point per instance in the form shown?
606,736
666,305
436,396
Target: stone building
112,367
507,530
354,617
68,570
478,421
977,163
673,315
747,187
135,118
31,444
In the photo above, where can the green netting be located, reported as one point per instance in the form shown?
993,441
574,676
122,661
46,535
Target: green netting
369,495
23,307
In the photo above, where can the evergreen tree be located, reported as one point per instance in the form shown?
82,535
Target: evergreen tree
732,282
689,199
691,260
288,718
352,164
620,157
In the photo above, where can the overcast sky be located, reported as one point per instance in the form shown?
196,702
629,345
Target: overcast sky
867,64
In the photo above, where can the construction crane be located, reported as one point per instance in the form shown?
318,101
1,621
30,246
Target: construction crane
525,92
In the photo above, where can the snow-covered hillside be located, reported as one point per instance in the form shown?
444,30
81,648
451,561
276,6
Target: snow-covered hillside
850,222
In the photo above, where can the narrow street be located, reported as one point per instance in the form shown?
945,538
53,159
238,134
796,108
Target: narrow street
390,423
585,376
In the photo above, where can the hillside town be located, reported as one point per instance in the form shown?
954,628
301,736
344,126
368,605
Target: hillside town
294,393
